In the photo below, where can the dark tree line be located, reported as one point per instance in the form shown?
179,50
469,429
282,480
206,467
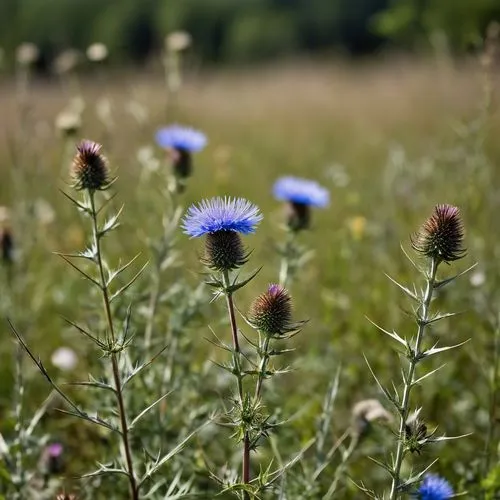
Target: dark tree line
242,30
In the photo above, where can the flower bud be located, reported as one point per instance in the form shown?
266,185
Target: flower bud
441,236
271,312
90,167
224,251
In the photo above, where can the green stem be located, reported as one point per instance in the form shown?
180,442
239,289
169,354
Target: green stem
409,378
134,489
491,435
263,366
237,371
339,471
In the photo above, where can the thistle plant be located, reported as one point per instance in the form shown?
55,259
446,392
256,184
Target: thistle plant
180,143
299,195
114,337
221,221
440,240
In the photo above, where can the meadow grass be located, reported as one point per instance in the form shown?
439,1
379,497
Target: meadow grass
389,139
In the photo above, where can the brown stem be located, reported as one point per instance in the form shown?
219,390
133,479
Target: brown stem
236,361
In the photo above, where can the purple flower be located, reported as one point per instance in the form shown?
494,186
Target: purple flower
221,214
434,487
181,138
301,191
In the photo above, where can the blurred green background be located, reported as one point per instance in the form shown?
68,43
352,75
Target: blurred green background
244,30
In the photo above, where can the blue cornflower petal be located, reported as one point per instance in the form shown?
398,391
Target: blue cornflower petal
434,487
303,191
221,214
178,137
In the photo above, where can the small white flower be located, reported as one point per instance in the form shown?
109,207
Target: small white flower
477,278
64,358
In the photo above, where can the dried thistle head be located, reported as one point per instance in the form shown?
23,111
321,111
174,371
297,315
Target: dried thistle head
441,236
271,311
97,52
27,54
90,167
367,411
178,41
66,496
68,123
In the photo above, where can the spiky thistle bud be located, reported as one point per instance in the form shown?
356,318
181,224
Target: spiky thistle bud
52,459
271,312
441,236
90,167
224,251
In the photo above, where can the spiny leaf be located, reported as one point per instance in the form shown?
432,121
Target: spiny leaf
129,284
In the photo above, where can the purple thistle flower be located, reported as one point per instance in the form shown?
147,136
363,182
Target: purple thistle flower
434,487
221,219
55,449
300,195
221,214
181,138
301,191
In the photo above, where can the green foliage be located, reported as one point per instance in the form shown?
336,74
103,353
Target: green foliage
412,22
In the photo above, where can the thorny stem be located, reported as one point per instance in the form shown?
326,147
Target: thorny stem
404,410
237,371
263,366
134,489
490,438
154,298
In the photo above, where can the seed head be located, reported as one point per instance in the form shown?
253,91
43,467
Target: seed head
224,251
90,167
271,312
441,236
366,412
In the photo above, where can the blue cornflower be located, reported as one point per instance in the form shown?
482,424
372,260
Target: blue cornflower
301,191
221,214
221,220
434,487
181,138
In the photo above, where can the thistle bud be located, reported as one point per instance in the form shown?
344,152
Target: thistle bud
52,459
224,251
441,236
298,216
90,167
271,312
416,434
